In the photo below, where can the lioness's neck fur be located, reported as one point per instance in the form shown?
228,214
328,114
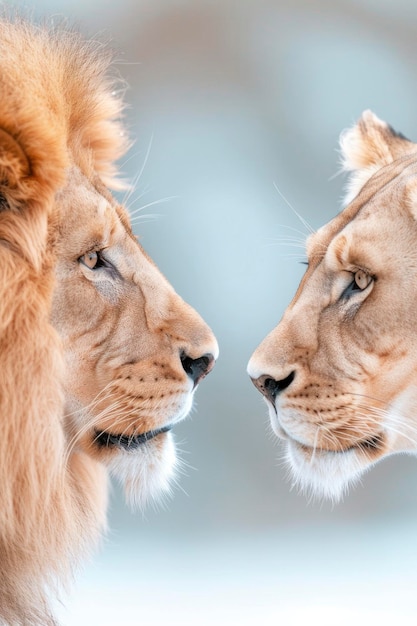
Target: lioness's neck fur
58,107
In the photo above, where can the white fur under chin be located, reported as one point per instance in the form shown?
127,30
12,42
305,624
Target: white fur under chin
146,473
326,475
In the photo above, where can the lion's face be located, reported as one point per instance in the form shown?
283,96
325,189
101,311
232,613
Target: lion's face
339,371
135,351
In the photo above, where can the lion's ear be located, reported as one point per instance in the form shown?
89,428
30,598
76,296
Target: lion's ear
14,164
368,146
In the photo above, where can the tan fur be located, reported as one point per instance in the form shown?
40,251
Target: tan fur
352,354
110,360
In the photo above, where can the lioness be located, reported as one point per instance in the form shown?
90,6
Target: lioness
99,357
339,372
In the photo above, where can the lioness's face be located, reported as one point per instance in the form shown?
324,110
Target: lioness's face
339,372
135,352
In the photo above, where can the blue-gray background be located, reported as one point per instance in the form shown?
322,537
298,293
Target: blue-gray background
229,100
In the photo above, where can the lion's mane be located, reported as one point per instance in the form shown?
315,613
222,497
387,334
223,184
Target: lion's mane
59,106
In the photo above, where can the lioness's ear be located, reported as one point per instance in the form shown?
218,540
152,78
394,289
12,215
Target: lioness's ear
14,164
368,146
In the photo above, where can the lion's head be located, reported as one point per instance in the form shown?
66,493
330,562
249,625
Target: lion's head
339,372
134,350
99,357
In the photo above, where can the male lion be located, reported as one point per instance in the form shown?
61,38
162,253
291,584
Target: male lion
339,372
99,358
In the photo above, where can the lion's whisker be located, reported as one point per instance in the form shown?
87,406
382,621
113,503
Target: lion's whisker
153,203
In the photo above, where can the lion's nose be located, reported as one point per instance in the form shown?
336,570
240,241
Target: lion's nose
196,369
270,388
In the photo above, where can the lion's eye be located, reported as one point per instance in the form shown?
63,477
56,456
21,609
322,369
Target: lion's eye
361,280
91,259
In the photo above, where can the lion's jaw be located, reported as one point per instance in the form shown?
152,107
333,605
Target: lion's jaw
339,372
134,350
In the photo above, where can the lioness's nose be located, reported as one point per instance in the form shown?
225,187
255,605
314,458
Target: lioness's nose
270,388
196,369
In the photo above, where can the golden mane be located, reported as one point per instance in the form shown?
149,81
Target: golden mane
59,107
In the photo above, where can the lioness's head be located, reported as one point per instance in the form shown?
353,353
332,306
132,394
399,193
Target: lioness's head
134,350
339,372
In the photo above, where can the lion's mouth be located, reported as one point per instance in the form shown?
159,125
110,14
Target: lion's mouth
105,439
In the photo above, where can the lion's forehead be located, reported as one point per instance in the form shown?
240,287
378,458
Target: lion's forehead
89,220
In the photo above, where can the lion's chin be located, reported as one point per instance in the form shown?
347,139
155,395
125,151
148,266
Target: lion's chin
325,474
146,472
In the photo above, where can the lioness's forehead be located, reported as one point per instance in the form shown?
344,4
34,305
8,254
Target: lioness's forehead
315,242
364,233
330,238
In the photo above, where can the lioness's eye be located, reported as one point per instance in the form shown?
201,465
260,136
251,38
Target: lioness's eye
361,280
90,259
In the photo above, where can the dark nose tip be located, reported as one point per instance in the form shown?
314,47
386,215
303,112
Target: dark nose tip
270,388
196,369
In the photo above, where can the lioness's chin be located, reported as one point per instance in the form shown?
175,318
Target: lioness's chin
145,472
326,474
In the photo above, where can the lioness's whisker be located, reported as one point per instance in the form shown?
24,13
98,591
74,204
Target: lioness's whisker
302,220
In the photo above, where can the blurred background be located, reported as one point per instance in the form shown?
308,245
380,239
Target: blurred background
236,108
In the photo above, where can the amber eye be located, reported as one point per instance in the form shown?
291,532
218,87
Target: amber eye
361,279
90,259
